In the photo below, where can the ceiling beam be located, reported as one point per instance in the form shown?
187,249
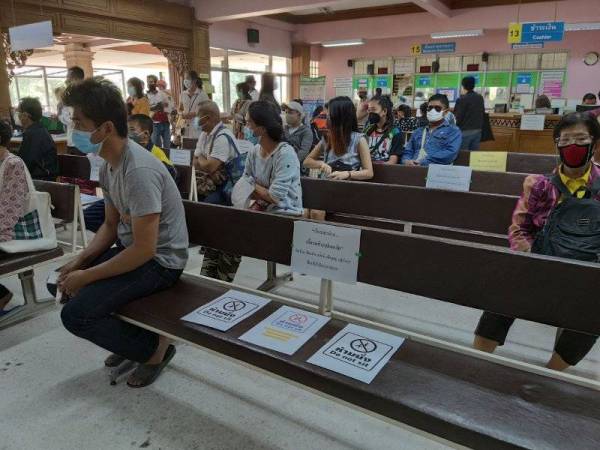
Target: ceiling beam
436,7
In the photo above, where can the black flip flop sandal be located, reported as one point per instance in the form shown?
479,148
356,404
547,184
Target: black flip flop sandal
114,360
148,373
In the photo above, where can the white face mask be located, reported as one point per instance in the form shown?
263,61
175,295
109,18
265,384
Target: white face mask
434,116
18,120
187,83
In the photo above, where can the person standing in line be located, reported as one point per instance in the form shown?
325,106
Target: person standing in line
469,111
240,108
161,133
251,82
137,102
189,105
267,91
75,74
362,108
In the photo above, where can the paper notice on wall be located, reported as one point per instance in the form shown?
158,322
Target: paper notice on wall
326,251
227,310
488,161
180,157
449,178
533,122
286,330
343,86
30,36
95,164
357,352
552,84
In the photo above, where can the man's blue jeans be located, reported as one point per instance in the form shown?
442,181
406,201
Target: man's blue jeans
161,135
471,140
89,314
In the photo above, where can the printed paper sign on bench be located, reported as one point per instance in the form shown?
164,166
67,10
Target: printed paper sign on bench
449,178
286,330
180,157
488,161
227,310
326,251
357,352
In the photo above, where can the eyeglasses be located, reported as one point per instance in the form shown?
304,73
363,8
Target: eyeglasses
436,107
579,140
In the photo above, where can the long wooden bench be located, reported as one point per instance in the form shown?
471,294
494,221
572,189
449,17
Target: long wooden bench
518,162
79,167
468,216
457,396
507,183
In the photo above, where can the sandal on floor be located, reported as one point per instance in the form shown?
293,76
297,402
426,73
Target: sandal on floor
114,360
148,373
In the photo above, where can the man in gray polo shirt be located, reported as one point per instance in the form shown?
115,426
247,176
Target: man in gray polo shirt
144,217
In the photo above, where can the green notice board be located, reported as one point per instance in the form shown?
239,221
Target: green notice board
447,80
361,81
477,75
497,79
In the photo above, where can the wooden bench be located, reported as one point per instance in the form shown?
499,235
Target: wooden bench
507,183
79,167
472,399
466,216
519,162
23,265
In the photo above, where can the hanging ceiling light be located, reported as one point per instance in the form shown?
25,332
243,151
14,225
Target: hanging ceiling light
456,34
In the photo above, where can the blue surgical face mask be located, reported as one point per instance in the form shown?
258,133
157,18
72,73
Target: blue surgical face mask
81,140
249,136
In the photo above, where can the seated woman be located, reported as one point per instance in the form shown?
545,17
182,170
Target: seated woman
272,166
575,135
37,150
15,193
405,120
384,138
345,155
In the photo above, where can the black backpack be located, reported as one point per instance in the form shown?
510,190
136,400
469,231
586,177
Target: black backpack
573,227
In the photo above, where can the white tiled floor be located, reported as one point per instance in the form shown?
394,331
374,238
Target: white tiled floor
54,393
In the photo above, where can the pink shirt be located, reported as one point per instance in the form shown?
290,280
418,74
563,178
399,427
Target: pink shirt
13,198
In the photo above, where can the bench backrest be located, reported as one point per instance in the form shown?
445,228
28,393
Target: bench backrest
74,166
507,183
519,162
515,284
489,213
189,143
62,196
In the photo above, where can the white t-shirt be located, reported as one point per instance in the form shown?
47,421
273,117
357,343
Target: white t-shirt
221,149
254,95
65,118
191,103
154,98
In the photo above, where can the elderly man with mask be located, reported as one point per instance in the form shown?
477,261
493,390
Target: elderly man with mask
216,148
297,133
436,143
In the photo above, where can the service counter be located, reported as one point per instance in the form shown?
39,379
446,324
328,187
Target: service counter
510,138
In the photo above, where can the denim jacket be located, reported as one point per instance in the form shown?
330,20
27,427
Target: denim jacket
441,145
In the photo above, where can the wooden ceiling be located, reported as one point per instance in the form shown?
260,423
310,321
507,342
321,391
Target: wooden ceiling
391,10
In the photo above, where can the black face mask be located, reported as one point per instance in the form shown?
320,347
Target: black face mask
374,118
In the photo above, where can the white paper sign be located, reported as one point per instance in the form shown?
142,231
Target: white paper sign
533,122
449,178
357,352
30,36
87,199
326,251
286,330
227,310
95,165
180,157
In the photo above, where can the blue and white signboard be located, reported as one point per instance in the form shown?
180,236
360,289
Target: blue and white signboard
542,32
443,47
